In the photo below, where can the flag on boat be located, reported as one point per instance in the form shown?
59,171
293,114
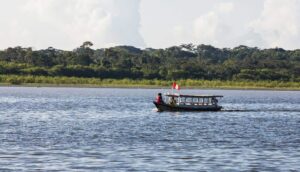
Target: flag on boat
175,86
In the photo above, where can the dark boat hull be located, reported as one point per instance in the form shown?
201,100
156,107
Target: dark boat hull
167,107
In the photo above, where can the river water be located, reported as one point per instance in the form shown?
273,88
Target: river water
102,129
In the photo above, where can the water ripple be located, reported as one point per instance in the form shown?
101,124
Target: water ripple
79,129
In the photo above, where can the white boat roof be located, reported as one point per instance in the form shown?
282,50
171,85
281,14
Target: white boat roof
193,96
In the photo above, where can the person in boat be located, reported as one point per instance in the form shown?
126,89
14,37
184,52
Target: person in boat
214,101
172,101
159,99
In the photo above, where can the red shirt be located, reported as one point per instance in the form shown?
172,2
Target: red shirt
158,99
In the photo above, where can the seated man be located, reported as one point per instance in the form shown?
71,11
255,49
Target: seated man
159,99
172,101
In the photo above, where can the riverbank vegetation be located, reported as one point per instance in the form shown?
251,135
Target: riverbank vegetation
192,65
153,83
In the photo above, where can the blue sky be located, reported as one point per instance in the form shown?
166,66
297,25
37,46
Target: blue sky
65,24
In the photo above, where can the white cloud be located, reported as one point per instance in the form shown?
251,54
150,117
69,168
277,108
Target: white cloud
179,34
67,23
222,24
225,7
279,24
210,27
206,27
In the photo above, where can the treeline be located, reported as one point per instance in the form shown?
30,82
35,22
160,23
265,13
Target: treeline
188,83
188,61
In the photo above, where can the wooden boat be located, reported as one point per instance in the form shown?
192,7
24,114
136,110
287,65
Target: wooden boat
179,102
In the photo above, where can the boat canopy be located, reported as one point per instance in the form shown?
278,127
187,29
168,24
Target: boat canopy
193,96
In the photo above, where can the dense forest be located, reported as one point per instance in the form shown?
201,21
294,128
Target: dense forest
186,61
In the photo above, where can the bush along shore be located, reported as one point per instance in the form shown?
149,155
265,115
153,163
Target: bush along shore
9,80
191,65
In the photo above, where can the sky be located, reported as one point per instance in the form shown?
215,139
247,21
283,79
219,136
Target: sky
66,24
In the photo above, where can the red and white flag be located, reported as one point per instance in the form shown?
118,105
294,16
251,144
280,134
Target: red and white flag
175,86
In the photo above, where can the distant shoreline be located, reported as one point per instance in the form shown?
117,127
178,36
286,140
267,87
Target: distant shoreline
142,87
52,81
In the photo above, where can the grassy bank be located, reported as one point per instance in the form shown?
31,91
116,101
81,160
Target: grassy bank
95,82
